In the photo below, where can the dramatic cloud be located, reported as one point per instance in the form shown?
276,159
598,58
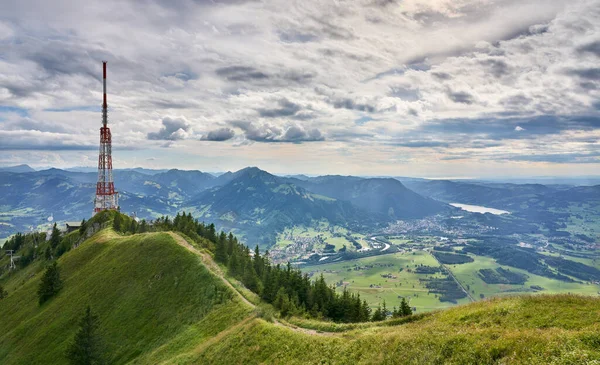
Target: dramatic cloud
173,129
219,135
269,133
430,87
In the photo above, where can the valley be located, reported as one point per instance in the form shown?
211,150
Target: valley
331,225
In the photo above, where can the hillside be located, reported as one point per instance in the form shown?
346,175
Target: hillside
159,303
147,290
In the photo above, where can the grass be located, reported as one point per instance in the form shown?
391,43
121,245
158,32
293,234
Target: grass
158,304
511,330
147,290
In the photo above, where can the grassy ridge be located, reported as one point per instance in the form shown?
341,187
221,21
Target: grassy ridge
521,330
147,290
158,304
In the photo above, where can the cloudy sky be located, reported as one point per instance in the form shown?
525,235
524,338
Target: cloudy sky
433,88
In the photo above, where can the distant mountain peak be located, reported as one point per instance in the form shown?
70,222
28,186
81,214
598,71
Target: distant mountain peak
18,168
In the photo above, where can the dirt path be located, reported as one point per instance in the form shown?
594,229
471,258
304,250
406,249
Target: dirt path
210,264
216,270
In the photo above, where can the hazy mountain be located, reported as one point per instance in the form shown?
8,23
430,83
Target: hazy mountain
506,196
385,196
18,169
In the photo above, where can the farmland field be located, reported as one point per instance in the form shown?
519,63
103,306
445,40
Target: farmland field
365,277
468,276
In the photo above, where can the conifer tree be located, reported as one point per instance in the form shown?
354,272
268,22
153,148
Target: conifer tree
221,252
250,278
405,308
117,223
82,227
54,237
87,346
48,253
50,284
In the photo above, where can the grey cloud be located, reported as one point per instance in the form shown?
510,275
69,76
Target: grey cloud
576,158
173,104
500,129
297,134
36,140
351,105
173,129
261,133
587,73
593,47
241,73
441,76
461,97
287,108
219,135
330,30
422,144
297,37
517,100
497,67
27,123
269,133
253,75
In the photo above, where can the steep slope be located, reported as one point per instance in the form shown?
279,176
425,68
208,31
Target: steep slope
384,196
261,204
146,289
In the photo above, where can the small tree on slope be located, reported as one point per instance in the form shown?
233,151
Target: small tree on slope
50,284
86,348
405,308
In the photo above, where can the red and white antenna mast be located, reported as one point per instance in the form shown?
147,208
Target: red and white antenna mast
106,196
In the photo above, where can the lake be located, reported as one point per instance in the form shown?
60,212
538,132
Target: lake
479,209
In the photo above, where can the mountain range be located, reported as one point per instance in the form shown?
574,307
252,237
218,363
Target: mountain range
258,205
251,201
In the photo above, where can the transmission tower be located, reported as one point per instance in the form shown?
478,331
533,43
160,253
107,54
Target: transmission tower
106,196
12,259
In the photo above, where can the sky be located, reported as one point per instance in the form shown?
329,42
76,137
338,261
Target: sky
425,88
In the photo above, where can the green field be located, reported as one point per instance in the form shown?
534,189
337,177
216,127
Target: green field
468,276
374,288
406,284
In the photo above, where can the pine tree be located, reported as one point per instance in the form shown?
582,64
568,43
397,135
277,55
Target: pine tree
50,284
48,253
405,308
250,279
87,347
117,223
54,237
221,252
82,228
